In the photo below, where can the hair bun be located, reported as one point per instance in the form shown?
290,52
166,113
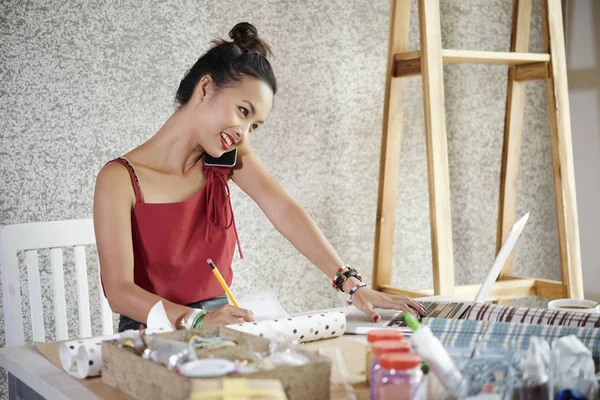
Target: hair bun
245,35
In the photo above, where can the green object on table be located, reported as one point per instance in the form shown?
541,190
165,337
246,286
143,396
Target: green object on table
411,321
424,367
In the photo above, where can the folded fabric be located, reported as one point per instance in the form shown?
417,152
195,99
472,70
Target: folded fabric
303,328
525,315
465,333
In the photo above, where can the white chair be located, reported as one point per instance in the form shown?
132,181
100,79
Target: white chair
54,236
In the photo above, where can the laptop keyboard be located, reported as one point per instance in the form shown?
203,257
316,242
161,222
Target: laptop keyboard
433,309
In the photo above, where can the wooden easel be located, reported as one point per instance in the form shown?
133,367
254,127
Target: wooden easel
522,67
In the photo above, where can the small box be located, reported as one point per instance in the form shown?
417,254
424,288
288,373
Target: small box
146,380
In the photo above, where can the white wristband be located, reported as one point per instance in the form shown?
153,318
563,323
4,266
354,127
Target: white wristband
188,324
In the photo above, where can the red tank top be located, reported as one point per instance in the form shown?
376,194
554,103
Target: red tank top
172,241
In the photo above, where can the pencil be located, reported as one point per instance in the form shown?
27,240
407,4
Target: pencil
222,282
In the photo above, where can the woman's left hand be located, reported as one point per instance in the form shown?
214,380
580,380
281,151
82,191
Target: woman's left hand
366,300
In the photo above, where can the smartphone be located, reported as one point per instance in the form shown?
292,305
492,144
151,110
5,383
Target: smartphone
226,160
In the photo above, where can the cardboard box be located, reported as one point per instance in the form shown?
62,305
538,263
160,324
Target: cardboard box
146,380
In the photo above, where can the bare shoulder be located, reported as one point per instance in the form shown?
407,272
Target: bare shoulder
114,182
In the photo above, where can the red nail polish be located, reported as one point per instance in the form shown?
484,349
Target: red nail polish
376,319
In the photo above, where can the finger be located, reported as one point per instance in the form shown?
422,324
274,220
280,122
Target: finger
408,309
370,311
415,305
243,313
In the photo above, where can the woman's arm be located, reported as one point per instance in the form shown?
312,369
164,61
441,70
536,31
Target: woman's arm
286,215
113,201
290,219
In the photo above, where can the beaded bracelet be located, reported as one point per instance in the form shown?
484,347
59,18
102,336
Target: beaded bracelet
343,268
353,290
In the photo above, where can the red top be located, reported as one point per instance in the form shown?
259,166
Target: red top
172,241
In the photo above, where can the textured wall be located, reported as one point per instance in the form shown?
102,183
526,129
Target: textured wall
85,81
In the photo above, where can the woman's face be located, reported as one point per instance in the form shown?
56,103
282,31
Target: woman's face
226,117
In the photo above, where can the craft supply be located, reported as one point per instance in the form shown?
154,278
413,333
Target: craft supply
436,356
237,388
398,378
285,353
463,333
170,353
376,336
210,343
70,357
572,367
222,282
303,328
536,376
539,316
381,348
206,367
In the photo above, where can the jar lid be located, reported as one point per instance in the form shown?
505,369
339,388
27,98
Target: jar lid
400,361
390,346
384,334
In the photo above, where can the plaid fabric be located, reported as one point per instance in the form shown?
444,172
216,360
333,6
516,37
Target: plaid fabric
525,315
464,333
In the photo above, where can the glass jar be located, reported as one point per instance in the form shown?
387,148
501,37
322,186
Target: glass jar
377,336
398,378
378,349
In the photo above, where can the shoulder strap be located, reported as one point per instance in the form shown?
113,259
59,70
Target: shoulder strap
135,181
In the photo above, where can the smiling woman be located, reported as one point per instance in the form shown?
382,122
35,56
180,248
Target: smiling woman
161,210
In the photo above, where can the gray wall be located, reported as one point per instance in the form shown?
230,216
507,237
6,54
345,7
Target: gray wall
83,82
583,58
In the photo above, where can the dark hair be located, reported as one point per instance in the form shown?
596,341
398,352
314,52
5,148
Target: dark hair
227,62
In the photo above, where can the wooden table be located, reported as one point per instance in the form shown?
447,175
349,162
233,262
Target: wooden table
31,376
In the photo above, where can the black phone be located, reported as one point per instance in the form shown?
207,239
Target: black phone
226,160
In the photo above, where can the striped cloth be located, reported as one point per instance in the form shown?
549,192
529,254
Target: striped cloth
464,333
525,315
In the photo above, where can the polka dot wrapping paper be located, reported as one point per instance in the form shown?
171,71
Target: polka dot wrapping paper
303,328
82,358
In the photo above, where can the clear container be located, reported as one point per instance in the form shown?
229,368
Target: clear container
377,336
398,378
378,349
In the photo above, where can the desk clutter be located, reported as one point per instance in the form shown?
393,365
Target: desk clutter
496,352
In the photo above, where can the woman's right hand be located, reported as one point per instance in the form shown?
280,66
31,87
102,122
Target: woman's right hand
228,314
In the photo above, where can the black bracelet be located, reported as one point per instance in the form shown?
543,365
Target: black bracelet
339,282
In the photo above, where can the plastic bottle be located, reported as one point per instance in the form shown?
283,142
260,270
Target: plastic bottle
433,352
398,378
376,336
381,348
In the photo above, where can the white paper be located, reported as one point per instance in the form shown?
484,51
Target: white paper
158,320
264,305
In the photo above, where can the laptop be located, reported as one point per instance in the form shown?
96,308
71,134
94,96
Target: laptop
359,323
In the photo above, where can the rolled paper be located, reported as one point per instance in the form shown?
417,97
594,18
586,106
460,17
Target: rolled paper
82,358
303,328
89,359
71,359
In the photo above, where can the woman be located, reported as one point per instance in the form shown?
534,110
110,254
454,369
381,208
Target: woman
160,211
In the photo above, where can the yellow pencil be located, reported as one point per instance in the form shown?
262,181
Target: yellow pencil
222,282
